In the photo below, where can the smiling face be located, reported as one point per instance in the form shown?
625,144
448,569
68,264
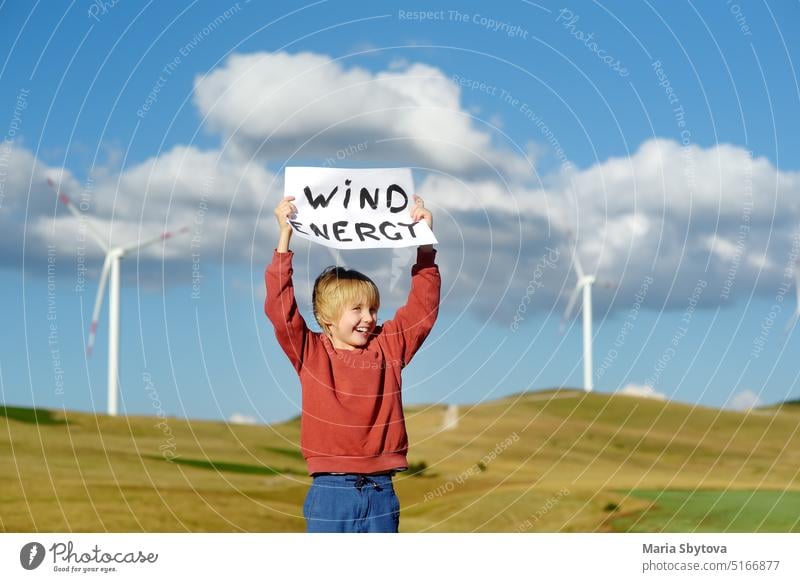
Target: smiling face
355,327
346,305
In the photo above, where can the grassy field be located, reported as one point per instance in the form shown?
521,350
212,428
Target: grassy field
714,511
557,460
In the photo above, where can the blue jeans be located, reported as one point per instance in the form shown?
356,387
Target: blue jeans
352,503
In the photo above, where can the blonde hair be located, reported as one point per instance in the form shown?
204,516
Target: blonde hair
337,287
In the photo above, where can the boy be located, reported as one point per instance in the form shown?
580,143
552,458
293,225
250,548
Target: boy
353,433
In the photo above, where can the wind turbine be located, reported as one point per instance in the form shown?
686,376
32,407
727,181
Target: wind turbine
796,314
450,418
111,266
584,285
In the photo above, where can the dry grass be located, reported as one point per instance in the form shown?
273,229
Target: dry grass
565,461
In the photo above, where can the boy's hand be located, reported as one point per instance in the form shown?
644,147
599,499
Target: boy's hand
419,212
283,211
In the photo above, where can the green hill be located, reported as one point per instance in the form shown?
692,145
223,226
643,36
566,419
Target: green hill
556,460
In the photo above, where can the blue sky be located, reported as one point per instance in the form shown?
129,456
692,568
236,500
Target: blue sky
661,137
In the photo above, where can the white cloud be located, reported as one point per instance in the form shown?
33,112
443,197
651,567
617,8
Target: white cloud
672,213
725,249
662,176
744,400
633,218
761,261
224,202
491,233
239,418
641,391
306,104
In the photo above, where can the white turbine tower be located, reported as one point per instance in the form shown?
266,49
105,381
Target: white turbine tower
111,266
796,314
584,285
450,417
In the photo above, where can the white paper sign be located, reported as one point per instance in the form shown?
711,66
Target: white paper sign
355,208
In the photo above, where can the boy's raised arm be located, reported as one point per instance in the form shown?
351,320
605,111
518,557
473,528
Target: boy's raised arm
414,321
283,211
280,304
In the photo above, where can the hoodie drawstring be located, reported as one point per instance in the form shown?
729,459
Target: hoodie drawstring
362,480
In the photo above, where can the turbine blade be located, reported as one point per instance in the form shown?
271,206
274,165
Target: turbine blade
572,300
65,200
163,236
98,304
792,322
797,284
576,262
337,259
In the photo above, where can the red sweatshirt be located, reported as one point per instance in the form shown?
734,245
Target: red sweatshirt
352,411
